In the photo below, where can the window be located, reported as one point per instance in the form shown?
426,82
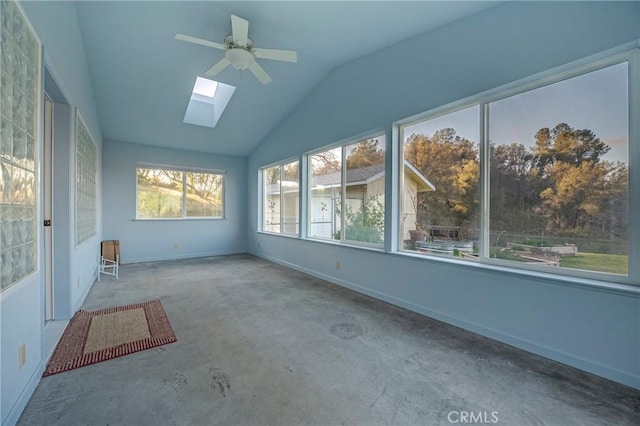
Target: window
559,173
20,95
556,176
281,193
86,169
347,191
164,193
441,184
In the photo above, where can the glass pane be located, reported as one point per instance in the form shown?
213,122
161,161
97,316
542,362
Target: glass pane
325,185
204,194
441,191
290,194
18,133
159,193
559,174
86,167
271,200
364,200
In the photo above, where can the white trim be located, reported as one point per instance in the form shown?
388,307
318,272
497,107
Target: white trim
157,166
419,174
361,137
261,195
281,162
634,165
29,388
181,256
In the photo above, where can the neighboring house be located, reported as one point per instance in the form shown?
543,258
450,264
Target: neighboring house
362,184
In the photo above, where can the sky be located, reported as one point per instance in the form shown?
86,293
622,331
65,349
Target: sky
597,101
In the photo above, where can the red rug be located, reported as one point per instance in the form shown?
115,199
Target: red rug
96,336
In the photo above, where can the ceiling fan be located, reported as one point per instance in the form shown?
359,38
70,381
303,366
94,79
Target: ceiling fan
240,52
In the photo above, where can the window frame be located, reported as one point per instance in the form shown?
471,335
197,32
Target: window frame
631,56
183,170
261,194
342,144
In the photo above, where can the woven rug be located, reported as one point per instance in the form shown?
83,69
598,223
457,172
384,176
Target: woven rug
95,336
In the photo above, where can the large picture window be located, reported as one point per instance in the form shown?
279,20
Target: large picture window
347,192
164,193
559,173
281,195
555,176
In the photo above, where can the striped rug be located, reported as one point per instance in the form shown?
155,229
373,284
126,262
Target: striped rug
95,336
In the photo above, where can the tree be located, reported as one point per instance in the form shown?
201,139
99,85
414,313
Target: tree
324,163
570,176
513,193
451,164
573,196
366,153
565,144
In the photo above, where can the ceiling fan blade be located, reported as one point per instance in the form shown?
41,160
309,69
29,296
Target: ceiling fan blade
260,73
276,55
222,64
200,41
239,30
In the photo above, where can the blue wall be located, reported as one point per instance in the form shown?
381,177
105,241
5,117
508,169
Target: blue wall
147,240
22,307
592,328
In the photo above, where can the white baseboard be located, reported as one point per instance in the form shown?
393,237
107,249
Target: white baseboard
16,411
180,256
529,346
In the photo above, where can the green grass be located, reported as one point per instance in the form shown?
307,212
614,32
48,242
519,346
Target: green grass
499,253
612,263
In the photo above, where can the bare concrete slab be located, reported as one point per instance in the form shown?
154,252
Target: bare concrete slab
260,344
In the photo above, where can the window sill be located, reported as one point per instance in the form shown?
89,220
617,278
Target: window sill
557,279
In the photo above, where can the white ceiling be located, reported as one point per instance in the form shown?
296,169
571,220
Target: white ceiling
142,77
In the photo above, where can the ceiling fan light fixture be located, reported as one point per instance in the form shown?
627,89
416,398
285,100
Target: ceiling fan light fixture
240,59
240,53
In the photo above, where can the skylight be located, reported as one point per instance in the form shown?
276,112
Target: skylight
208,100
205,87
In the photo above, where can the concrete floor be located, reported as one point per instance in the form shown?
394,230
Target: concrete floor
262,344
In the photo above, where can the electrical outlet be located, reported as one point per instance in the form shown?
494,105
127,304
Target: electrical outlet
258,244
338,265
22,355
175,247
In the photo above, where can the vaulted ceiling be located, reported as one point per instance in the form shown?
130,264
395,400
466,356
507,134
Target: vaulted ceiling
142,77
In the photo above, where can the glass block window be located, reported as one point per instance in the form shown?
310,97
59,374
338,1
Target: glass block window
19,94
86,165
